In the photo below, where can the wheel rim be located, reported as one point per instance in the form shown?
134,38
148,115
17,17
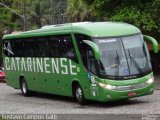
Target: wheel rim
79,93
24,87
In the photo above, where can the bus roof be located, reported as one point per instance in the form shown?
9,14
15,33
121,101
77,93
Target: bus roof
94,29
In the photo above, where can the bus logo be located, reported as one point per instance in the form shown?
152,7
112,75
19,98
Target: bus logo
132,87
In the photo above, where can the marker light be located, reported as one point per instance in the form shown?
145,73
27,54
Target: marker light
109,87
151,80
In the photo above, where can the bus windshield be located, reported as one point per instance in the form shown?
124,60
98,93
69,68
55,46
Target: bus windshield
123,57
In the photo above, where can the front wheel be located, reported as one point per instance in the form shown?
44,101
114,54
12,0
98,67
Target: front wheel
79,95
24,88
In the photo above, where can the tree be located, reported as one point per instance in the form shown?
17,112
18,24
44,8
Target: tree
5,17
141,13
38,13
78,11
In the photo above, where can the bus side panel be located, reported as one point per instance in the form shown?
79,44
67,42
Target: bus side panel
12,79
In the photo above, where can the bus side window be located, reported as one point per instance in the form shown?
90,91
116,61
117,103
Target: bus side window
53,47
14,48
7,49
30,47
41,47
61,46
86,53
90,61
68,47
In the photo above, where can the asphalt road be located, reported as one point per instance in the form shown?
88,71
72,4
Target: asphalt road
12,102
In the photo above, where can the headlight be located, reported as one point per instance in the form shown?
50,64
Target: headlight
109,87
151,80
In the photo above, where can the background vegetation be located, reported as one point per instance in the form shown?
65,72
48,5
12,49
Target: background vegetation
142,13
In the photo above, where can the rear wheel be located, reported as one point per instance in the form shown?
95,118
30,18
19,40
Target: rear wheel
78,94
24,88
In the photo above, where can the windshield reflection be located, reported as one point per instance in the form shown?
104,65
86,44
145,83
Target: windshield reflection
123,58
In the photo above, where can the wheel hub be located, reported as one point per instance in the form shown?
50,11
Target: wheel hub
24,88
79,93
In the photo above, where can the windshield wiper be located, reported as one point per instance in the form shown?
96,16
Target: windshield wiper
146,56
135,63
144,50
117,61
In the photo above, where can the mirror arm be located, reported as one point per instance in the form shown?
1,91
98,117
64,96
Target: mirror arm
94,47
154,42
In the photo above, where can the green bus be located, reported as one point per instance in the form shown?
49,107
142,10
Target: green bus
100,61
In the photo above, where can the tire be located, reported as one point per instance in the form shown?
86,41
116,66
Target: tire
78,94
24,88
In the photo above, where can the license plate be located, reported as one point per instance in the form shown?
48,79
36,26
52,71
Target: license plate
132,94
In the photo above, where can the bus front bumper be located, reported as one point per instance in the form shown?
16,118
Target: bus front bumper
113,95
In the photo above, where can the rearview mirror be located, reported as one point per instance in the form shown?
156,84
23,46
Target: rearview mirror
94,48
154,42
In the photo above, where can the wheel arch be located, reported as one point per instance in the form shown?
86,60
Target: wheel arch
21,77
74,85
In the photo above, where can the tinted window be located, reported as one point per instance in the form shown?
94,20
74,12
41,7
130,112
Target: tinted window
50,46
86,53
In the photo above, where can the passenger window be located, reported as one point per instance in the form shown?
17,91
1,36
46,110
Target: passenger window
59,46
62,46
53,47
7,49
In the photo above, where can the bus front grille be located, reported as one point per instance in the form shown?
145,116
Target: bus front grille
131,87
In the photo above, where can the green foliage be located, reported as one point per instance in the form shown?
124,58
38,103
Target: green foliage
141,13
12,22
77,11
134,16
38,13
